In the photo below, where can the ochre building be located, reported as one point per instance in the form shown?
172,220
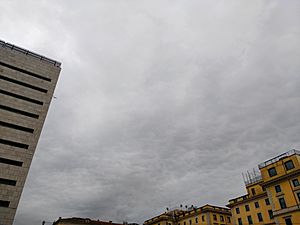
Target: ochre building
82,221
205,215
273,195
27,82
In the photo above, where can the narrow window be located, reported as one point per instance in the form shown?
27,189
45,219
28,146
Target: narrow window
272,172
17,111
203,218
237,210
184,223
4,203
16,127
289,165
13,143
8,182
21,97
288,221
240,221
11,162
282,203
215,217
249,220
298,195
267,201
247,208
256,204
296,182
270,214
228,219
277,188
253,191
196,220
190,221
259,216
222,218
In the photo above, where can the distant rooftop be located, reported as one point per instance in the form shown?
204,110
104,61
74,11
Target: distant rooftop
277,158
27,52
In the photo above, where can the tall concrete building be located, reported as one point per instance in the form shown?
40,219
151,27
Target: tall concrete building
27,82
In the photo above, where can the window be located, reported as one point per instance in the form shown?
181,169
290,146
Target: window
249,220
196,220
270,214
256,204
259,216
288,221
282,203
215,217
247,207
222,218
228,220
11,162
237,210
296,182
4,203
190,221
184,223
277,188
8,182
203,218
267,201
289,165
272,172
240,221
298,195
253,191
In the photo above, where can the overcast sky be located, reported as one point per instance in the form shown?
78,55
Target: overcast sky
159,102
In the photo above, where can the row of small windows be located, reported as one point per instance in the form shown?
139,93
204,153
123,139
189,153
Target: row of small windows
18,111
24,98
256,204
288,166
16,127
13,143
11,162
259,217
222,219
8,182
4,203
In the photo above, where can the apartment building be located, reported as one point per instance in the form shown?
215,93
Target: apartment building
273,194
205,215
27,82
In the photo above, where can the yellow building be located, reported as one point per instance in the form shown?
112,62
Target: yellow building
205,215
273,194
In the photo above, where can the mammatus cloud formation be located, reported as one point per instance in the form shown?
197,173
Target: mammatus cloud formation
159,103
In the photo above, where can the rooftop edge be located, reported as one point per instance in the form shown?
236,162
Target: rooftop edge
30,53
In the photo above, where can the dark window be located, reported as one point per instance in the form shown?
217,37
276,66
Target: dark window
289,165
16,127
11,162
259,216
272,172
196,219
215,217
240,221
23,84
184,223
256,204
270,214
282,203
13,143
298,194
222,218
296,182
203,218
253,191
263,188
17,111
25,72
228,219
8,182
237,210
288,221
190,221
267,201
4,203
21,97
277,188
249,220
247,207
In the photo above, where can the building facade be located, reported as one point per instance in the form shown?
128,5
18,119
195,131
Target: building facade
82,221
205,215
27,82
273,195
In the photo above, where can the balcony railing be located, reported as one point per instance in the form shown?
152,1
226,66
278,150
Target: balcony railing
277,158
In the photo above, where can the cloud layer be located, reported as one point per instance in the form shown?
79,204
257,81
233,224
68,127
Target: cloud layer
159,103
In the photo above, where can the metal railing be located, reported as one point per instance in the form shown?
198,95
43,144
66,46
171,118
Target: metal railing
27,52
277,158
